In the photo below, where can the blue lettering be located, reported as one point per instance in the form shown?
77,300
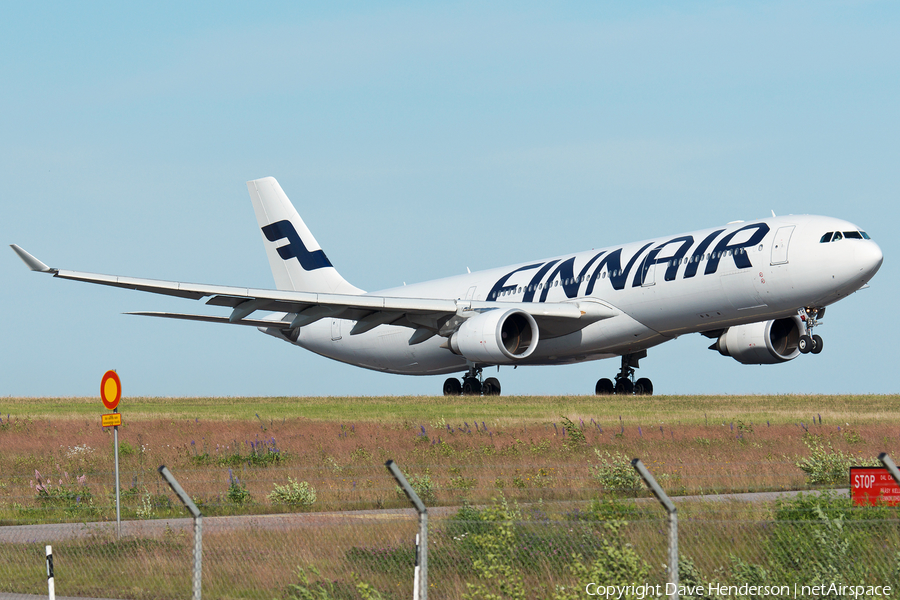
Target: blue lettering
617,275
532,286
500,287
726,248
673,260
697,256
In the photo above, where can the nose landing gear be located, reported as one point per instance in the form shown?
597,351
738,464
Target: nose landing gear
625,384
809,343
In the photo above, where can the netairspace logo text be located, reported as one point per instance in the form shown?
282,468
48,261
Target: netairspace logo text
717,589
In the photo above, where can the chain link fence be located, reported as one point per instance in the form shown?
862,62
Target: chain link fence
339,537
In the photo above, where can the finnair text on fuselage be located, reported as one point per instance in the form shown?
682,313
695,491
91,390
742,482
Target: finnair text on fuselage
607,265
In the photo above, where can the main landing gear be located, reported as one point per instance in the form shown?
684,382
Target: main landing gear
809,342
625,384
472,385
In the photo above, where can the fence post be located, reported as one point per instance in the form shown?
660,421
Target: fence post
890,466
420,591
51,586
198,527
673,522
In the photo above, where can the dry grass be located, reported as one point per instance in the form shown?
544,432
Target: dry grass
471,450
463,460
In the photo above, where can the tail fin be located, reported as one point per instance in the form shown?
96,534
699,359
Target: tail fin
298,262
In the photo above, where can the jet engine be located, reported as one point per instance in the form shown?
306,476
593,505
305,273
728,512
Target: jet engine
763,343
496,337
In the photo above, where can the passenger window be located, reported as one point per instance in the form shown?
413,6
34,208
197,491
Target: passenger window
826,238
852,235
837,236
865,235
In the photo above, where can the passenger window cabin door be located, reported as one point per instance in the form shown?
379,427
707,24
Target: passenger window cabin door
780,245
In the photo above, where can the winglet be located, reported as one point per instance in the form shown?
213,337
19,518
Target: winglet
33,263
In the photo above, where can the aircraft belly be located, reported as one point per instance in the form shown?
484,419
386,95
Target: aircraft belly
609,337
385,348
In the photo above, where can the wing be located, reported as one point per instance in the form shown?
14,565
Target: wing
427,316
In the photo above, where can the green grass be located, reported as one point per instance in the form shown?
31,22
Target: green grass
686,410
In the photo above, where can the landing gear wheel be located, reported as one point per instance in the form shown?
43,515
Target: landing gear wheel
604,387
491,387
643,387
805,344
471,387
452,387
624,387
818,344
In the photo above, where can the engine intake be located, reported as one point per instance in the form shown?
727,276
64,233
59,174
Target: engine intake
763,343
496,337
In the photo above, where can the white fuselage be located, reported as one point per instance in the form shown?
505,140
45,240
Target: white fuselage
661,288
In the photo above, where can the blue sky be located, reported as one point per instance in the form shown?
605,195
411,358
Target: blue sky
416,141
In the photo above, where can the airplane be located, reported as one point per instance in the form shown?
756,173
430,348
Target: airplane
758,289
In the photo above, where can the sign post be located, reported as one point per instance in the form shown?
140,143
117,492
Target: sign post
111,393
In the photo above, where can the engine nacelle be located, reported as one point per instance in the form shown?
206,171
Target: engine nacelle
764,343
496,337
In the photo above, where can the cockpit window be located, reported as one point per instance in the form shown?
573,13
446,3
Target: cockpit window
826,237
865,235
837,236
853,235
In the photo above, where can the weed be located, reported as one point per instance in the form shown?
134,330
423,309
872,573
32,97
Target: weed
293,494
615,473
126,449
574,435
237,492
851,436
422,485
145,511
827,464
493,546
615,563
66,494
361,454
332,464
306,589
461,483
540,447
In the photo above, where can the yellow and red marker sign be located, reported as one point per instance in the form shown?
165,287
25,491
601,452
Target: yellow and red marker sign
110,390
111,419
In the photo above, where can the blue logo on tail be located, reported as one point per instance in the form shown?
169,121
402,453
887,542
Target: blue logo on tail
295,248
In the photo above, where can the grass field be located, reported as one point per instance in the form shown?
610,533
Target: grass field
552,455
502,410
231,452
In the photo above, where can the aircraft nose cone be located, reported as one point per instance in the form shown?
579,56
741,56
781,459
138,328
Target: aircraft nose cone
869,258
